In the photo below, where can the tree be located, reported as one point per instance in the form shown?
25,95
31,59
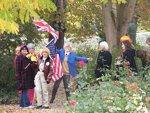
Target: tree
142,11
84,19
116,24
27,34
58,21
12,10
113,18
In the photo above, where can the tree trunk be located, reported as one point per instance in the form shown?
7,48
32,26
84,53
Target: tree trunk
109,25
114,29
124,16
61,5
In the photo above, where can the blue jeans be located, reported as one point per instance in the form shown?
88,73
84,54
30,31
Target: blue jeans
24,99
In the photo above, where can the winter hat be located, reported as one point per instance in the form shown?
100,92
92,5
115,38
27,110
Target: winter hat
123,38
30,45
46,50
24,47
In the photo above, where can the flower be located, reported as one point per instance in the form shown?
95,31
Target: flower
72,103
132,79
129,73
81,63
115,82
134,87
93,87
146,98
117,85
121,82
47,63
127,83
126,63
139,108
76,86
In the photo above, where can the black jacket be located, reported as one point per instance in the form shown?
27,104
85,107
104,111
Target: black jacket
103,62
130,56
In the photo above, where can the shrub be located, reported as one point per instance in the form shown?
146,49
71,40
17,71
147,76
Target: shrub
129,94
8,82
88,52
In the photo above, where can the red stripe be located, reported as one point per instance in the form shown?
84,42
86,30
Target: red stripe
55,68
51,31
58,64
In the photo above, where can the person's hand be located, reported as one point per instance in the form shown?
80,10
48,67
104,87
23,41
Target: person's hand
90,59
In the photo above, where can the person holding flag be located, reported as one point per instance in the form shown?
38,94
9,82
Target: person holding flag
67,59
61,63
43,26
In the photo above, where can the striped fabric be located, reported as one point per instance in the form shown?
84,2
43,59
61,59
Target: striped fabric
43,26
58,73
56,61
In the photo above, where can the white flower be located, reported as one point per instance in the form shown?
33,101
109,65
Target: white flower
121,82
118,108
47,63
134,95
141,103
139,108
140,98
145,110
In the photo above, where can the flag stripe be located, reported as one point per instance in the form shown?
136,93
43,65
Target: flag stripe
57,68
43,26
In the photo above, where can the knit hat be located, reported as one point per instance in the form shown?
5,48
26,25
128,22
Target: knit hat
46,50
123,38
24,47
30,45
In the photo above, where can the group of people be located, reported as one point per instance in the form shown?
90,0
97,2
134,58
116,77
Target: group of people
104,59
35,73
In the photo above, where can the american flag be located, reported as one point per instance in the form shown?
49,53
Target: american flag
43,26
58,73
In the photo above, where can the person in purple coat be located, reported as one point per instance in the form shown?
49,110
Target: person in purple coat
25,76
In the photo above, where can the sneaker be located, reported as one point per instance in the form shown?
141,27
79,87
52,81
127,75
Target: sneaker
46,107
37,107
30,107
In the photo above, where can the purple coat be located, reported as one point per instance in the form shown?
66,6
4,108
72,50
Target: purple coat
24,76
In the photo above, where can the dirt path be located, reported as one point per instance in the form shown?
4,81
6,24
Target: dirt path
56,107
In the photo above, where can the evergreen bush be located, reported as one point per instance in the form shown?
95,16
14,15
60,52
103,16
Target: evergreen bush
8,81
